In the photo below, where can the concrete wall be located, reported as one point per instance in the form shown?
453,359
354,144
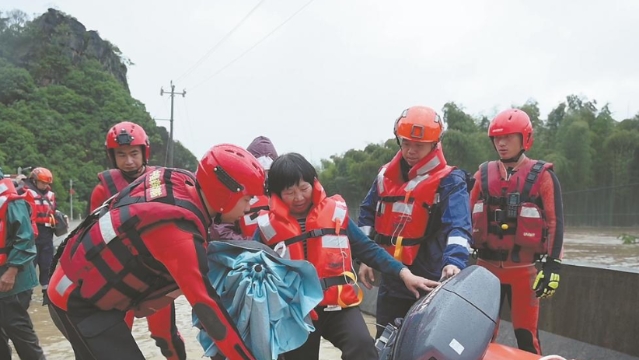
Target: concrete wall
593,315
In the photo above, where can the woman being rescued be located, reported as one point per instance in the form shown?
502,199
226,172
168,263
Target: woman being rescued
303,223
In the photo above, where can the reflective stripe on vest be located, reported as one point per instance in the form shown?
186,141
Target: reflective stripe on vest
493,229
249,222
107,260
44,207
326,240
403,208
113,181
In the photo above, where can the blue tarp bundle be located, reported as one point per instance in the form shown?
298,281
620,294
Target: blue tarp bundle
269,298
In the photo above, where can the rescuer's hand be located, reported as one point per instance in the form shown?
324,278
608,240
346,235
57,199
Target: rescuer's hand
547,280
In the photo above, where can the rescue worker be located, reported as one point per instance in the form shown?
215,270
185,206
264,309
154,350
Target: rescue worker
128,151
17,273
146,246
39,186
262,148
517,215
417,209
306,224
17,181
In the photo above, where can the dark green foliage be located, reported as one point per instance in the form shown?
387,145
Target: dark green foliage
588,147
61,89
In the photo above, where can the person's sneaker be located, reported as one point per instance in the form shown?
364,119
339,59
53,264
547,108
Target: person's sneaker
45,298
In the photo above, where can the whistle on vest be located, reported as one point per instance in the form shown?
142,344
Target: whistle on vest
399,249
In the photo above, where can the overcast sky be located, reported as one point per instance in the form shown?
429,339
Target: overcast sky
339,72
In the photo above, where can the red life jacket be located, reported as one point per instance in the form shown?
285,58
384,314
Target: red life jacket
506,215
8,194
113,181
248,223
327,246
404,208
44,205
106,258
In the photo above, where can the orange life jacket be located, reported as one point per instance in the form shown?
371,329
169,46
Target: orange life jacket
404,208
248,222
324,243
44,205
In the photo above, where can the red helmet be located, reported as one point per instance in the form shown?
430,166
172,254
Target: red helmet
127,133
42,174
226,173
419,123
513,121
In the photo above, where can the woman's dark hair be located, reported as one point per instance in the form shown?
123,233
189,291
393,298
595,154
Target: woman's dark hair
287,170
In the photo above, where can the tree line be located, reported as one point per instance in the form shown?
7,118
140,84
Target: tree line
58,99
595,156
57,103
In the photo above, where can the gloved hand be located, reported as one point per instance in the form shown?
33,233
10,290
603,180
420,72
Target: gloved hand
547,280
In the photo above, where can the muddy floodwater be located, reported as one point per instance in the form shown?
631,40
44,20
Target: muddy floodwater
591,246
601,247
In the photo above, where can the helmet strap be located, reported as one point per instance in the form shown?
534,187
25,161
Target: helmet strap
513,159
133,174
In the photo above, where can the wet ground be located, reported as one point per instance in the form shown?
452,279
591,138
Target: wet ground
57,348
592,246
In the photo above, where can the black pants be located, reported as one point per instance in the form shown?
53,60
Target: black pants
345,329
390,308
97,335
16,325
44,255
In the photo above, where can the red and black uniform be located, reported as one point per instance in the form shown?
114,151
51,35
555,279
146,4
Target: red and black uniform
517,218
135,253
161,324
45,206
111,182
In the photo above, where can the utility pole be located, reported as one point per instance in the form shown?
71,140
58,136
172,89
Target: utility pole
172,94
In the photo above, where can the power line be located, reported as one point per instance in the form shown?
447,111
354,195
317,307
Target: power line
217,45
252,47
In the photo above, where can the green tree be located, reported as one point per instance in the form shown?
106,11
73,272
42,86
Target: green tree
15,83
60,91
456,119
466,151
575,146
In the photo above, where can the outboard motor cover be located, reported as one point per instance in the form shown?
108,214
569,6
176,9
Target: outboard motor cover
455,321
